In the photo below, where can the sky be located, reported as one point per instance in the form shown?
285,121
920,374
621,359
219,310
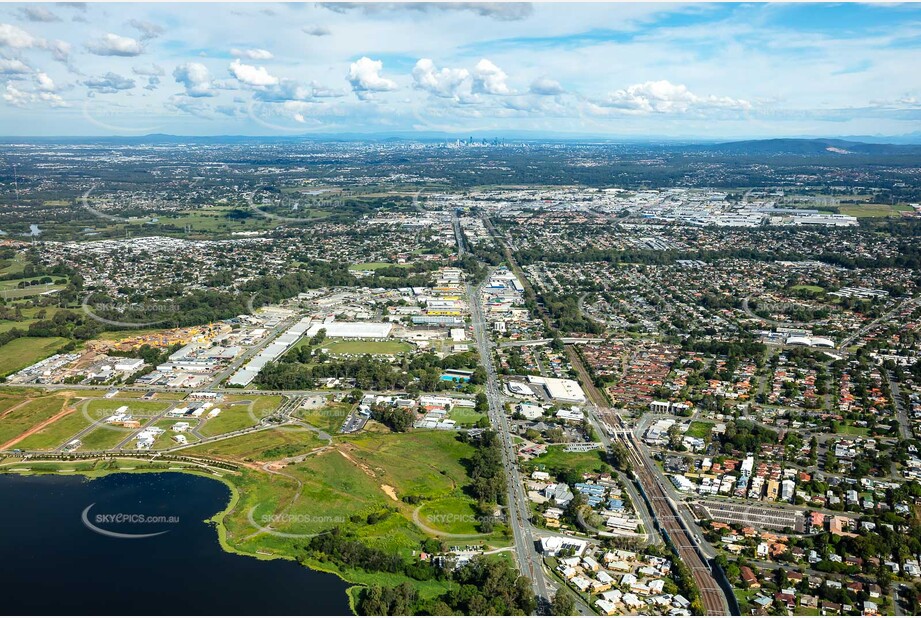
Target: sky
680,71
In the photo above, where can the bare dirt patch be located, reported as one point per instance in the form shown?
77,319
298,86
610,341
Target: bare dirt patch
390,491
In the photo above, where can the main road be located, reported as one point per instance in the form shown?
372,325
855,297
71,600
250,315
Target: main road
529,559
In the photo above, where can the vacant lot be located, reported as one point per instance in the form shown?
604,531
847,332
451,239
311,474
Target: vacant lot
374,266
557,461
25,413
699,429
870,210
56,434
239,412
341,346
266,445
25,351
329,418
466,416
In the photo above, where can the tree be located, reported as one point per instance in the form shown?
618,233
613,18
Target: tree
562,604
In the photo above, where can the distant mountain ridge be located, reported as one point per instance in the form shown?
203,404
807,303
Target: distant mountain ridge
815,147
909,144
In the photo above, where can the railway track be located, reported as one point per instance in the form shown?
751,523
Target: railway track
663,509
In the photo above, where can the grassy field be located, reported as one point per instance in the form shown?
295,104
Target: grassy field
12,266
260,446
452,515
808,288
361,476
238,412
329,418
56,434
25,413
375,265
25,351
850,430
105,437
10,290
101,408
556,461
699,429
871,210
341,346
231,418
465,416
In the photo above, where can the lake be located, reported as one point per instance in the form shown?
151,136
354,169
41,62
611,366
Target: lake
150,553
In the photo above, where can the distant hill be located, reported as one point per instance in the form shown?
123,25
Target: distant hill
814,147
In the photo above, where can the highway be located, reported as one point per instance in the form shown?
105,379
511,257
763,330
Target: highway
530,561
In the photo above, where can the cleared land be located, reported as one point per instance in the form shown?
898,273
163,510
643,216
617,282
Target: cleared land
329,418
26,413
260,446
699,429
240,412
341,346
25,351
558,461
465,416
375,266
872,210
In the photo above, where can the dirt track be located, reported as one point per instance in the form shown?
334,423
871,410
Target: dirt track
38,427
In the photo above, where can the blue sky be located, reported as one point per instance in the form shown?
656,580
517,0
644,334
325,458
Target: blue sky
610,70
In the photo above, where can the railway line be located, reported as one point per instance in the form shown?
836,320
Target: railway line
664,510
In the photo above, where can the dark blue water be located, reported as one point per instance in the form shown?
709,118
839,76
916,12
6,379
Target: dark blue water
51,562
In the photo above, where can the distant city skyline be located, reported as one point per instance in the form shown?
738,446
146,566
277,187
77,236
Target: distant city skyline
684,71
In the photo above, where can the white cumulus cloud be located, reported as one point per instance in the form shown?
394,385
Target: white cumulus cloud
489,79
250,75
13,67
545,86
365,77
195,77
21,98
45,83
447,82
663,97
17,38
252,54
115,45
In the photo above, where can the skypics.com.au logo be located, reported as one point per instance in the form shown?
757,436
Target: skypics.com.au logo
113,524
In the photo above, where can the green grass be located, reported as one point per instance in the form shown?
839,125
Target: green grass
699,429
26,351
29,317
329,418
808,288
231,418
55,434
453,515
852,431
465,416
237,412
340,346
17,421
375,265
105,437
869,210
557,461
101,408
13,266
265,445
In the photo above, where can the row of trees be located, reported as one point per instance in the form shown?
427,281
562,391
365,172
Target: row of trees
482,588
